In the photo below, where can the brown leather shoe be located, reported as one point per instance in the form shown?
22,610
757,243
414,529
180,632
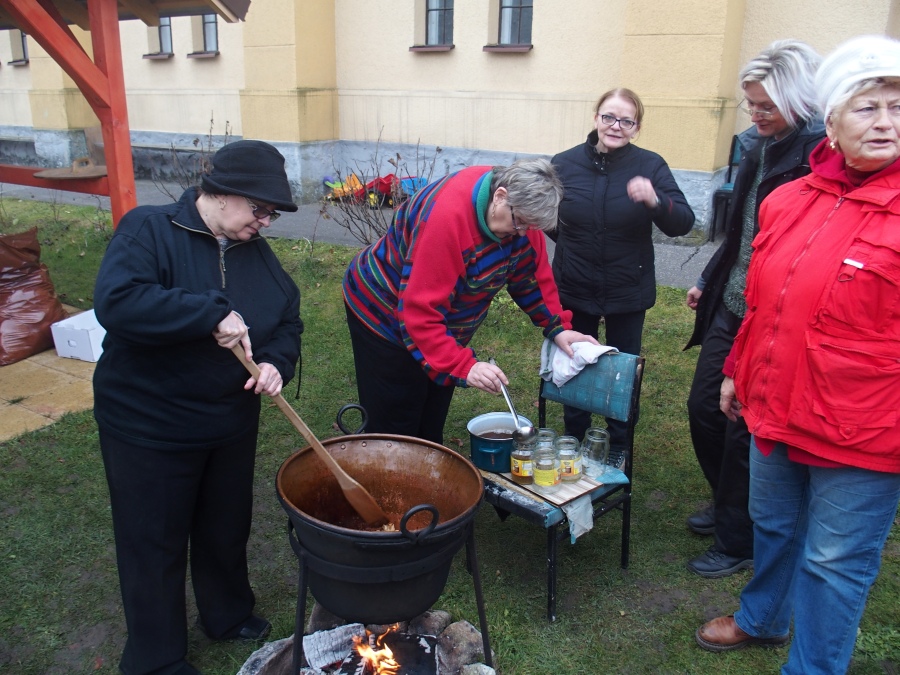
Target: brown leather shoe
723,634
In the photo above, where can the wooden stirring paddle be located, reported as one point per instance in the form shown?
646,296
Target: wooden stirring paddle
356,494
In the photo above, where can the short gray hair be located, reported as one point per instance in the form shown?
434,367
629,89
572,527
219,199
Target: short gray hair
786,69
533,190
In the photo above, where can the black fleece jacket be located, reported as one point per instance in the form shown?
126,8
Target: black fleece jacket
162,380
604,261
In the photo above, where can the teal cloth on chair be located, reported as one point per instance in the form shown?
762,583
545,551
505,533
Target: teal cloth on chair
604,387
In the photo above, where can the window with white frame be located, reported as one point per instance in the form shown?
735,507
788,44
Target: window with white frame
439,22
515,22
18,46
205,33
159,40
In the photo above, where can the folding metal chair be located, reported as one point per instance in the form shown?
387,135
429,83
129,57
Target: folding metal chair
611,387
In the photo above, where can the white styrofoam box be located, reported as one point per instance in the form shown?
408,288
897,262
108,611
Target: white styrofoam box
79,336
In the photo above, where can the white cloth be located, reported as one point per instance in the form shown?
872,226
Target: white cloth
580,513
558,367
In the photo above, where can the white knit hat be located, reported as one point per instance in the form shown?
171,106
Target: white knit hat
862,58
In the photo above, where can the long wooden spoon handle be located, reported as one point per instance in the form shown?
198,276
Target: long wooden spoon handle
356,494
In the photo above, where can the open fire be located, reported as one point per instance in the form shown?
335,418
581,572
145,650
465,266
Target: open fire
377,657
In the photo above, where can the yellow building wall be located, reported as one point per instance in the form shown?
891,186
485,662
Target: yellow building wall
290,93
181,94
15,84
302,71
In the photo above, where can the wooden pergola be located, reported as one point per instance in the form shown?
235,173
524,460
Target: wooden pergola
101,80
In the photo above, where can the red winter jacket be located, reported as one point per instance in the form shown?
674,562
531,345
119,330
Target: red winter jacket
817,359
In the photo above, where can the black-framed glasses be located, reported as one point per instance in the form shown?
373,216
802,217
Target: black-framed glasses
624,122
260,212
752,109
515,225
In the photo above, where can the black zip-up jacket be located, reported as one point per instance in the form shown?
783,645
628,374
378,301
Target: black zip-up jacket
163,286
787,160
604,262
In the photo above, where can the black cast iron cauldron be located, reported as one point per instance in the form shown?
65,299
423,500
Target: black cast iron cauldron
432,494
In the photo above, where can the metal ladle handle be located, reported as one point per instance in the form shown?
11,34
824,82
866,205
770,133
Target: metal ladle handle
509,402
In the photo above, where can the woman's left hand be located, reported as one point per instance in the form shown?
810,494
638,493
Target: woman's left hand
640,189
269,382
565,339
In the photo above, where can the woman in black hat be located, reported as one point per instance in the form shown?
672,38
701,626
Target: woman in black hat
179,286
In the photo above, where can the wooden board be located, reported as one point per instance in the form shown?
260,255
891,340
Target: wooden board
567,493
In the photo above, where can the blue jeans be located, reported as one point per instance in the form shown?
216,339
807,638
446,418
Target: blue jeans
818,536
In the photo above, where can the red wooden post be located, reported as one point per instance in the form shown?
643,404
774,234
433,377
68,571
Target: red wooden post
102,82
104,20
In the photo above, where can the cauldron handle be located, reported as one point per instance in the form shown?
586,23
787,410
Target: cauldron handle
352,406
415,537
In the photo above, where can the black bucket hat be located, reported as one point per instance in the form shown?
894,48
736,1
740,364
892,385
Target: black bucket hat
252,169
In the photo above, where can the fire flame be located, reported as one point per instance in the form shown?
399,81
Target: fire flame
377,656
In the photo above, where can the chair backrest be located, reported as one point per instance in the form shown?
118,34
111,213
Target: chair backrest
609,387
734,155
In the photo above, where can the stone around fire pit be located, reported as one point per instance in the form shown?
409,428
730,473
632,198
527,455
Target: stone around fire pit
459,645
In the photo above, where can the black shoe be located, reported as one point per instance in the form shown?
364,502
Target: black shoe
714,564
253,629
703,521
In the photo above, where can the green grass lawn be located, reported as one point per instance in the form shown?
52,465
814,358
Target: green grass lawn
60,610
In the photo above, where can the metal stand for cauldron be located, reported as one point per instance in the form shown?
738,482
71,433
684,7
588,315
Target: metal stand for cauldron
303,585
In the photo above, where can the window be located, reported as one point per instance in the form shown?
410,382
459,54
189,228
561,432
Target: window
159,40
18,45
515,22
439,22
205,33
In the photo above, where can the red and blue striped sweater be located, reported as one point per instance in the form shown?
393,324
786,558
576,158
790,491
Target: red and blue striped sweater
427,284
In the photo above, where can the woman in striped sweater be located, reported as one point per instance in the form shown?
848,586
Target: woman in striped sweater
416,296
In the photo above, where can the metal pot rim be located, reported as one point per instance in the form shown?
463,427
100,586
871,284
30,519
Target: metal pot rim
440,529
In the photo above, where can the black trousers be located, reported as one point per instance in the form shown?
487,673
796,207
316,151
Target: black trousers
396,393
623,331
722,446
164,503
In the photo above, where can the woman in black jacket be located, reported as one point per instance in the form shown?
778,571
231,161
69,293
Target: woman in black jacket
778,97
604,263
179,286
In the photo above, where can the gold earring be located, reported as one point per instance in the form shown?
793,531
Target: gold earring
832,145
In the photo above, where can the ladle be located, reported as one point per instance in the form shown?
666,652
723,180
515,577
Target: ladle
523,432
359,498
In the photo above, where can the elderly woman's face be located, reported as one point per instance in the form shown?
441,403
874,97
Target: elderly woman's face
867,129
239,221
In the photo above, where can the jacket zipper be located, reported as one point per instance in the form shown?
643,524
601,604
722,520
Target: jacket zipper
221,249
779,309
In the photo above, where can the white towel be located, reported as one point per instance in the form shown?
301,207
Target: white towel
558,367
580,513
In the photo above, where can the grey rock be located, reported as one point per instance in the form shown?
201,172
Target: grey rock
459,645
273,658
321,619
476,669
432,622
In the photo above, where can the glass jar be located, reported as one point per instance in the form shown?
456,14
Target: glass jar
546,469
569,452
594,451
545,437
522,461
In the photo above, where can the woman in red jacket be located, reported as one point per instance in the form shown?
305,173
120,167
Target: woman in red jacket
816,366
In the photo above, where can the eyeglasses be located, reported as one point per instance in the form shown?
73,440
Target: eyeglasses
624,122
260,212
516,226
751,109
